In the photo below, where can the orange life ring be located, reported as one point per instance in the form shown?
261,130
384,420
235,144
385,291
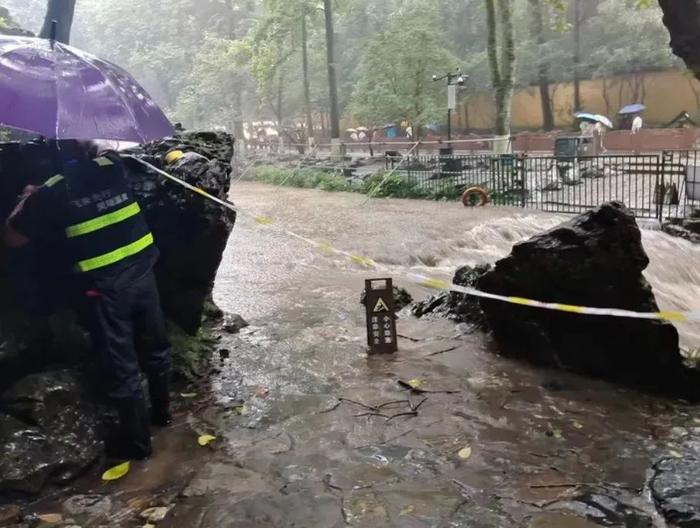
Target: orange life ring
483,196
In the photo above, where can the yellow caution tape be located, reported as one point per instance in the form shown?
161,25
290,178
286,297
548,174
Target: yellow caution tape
583,310
440,284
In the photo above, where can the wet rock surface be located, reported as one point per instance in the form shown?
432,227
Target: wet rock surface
675,488
48,431
457,306
686,228
191,232
597,260
401,298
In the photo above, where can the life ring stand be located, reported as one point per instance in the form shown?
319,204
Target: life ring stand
483,196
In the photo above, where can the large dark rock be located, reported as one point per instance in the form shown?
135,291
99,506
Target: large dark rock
191,234
682,18
454,305
597,260
675,488
687,228
191,231
48,431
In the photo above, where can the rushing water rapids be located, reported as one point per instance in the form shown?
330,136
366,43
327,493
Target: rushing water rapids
411,235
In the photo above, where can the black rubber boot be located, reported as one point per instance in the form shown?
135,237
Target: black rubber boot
159,391
133,441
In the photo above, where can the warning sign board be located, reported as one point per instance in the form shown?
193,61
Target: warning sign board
381,318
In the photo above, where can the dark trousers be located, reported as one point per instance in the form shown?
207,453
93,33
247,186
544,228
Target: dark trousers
128,331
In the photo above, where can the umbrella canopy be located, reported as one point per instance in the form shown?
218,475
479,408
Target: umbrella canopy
362,129
595,118
350,130
61,92
632,109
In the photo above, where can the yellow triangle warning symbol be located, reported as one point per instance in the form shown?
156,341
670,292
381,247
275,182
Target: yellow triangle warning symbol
380,306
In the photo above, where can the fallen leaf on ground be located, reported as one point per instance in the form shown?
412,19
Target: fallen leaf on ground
116,472
241,410
465,453
675,454
578,425
555,432
50,518
415,383
407,510
205,440
156,514
188,395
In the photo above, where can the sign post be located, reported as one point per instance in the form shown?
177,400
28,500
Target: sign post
381,316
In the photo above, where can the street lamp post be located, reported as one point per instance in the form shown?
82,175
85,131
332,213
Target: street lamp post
459,79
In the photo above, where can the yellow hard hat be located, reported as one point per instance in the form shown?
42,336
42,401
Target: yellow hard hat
172,157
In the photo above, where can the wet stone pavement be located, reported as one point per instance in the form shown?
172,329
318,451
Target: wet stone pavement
313,433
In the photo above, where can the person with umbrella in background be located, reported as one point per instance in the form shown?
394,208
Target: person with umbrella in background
88,211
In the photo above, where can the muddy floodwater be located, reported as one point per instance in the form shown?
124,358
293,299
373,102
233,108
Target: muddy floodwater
313,433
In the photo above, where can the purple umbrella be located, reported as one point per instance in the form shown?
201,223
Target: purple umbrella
61,92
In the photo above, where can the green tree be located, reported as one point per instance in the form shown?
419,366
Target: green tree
540,21
617,49
501,53
394,80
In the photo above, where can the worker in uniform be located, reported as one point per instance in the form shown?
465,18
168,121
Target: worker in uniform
91,211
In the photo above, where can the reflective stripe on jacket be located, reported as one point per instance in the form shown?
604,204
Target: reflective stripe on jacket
106,225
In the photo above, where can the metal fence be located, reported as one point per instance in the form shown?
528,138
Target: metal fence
658,186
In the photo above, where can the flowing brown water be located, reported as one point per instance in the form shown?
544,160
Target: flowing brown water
547,448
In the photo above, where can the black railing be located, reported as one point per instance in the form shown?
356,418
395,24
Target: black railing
653,186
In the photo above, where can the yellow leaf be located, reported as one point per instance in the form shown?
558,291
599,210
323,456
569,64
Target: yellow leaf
116,472
188,395
407,510
465,453
51,518
415,383
555,432
205,440
241,410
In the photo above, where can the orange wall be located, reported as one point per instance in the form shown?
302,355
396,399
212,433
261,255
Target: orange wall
665,94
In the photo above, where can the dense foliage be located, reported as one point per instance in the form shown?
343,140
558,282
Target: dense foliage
224,62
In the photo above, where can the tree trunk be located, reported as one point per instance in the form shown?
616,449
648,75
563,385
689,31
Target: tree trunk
501,67
332,79
682,18
538,28
62,12
305,68
578,104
